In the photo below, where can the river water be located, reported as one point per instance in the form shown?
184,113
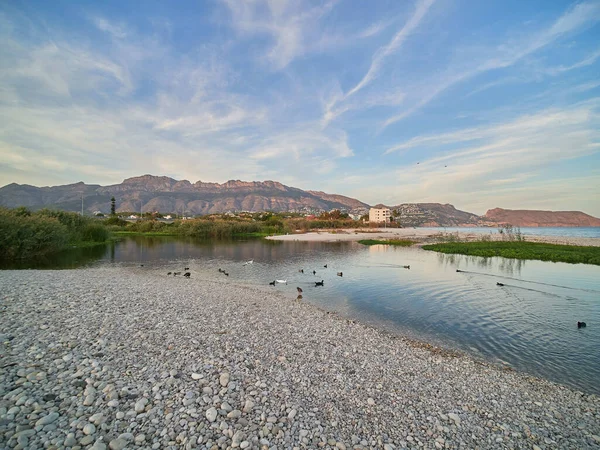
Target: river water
530,323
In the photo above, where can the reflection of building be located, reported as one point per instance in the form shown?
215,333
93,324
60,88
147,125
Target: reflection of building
378,215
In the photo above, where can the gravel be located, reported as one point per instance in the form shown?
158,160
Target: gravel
125,358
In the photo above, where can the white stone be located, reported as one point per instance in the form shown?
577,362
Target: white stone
248,406
224,379
292,414
234,414
47,419
196,376
237,438
89,428
454,418
211,414
140,405
96,419
117,444
370,401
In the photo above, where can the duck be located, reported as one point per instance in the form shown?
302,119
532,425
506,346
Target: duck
325,266
186,268
248,262
272,283
406,267
176,273
187,274
225,273
458,270
221,270
299,289
301,271
581,325
499,284
314,272
169,273
340,274
319,283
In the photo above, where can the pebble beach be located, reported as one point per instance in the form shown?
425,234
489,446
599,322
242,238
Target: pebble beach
126,357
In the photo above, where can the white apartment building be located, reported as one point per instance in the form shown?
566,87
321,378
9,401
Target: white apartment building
379,215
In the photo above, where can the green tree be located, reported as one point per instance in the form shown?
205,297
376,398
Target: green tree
112,207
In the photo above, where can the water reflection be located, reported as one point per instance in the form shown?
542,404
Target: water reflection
530,322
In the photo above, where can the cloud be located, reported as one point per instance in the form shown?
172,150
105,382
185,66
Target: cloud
516,129
492,165
378,60
289,26
574,20
587,61
117,31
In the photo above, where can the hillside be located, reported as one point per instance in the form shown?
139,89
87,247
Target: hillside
164,194
434,215
533,218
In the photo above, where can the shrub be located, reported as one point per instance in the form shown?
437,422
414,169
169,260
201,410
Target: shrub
27,236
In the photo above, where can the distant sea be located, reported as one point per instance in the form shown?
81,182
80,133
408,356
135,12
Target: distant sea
577,232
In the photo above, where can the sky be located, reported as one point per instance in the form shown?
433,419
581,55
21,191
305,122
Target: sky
477,104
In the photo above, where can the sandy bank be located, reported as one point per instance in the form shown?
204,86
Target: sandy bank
134,358
420,235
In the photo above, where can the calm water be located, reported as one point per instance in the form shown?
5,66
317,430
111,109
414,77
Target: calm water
582,232
529,323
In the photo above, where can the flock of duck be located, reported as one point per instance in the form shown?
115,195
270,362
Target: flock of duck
188,274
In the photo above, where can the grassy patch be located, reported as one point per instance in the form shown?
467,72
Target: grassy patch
522,250
398,242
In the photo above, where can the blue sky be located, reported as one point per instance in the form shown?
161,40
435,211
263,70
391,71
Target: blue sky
478,104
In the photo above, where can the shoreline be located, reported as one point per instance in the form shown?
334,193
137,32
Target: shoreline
421,236
129,357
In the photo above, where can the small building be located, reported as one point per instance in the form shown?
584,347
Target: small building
379,215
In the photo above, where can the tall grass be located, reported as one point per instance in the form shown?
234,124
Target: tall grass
220,229
25,234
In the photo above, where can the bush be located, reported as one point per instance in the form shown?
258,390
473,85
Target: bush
27,236
95,232
111,221
24,234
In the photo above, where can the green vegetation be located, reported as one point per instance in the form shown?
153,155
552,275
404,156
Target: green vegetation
25,234
398,242
522,250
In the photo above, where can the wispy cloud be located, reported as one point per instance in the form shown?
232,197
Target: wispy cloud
495,160
506,55
118,31
379,58
289,25
587,61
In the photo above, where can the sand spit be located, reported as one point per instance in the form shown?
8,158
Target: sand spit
130,358
422,236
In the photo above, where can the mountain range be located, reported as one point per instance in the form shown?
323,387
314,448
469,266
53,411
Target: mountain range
167,195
